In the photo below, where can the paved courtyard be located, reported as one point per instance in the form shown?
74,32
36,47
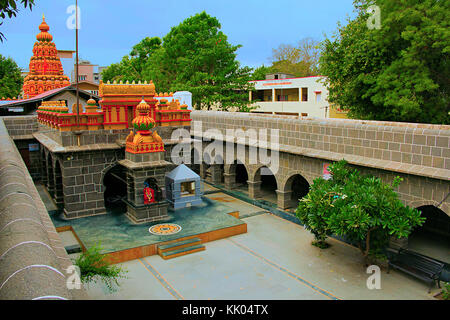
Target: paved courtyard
274,260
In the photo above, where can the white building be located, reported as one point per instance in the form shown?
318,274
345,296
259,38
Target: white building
280,94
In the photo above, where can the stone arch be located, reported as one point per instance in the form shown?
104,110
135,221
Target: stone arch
443,206
293,187
100,184
263,183
114,185
433,237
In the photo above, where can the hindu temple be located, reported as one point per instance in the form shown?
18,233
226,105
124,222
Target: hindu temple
46,71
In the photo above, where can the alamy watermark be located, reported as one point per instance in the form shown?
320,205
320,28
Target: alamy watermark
374,21
251,146
73,280
374,281
75,14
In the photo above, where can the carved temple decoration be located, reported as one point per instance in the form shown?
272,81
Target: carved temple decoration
46,71
119,102
144,141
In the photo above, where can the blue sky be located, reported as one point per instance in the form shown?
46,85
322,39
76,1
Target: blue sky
109,28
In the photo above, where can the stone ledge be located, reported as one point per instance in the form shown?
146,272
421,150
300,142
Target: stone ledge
55,147
142,165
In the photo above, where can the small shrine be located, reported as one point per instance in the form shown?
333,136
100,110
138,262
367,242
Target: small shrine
145,166
183,187
46,71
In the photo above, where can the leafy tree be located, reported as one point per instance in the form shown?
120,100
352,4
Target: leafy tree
197,57
9,8
11,80
301,61
399,72
260,72
131,68
93,266
358,207
194,56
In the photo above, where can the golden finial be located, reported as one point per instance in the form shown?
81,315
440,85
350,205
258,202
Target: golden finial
43,17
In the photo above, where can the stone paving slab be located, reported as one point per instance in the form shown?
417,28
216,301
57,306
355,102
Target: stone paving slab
274,260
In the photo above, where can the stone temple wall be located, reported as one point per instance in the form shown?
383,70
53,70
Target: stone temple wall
33,261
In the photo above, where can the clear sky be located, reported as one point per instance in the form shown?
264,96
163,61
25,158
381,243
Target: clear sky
109,28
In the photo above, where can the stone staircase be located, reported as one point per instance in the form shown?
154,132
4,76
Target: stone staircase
180,248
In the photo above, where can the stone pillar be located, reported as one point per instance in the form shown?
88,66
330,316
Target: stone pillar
50,180
203,168
216,173
284,199
59,194
254,189
44,178
230,180
273,95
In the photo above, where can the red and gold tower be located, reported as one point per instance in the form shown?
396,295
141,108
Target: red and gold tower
46,72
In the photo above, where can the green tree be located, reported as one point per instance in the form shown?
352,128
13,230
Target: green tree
11,80
131,68
360,208
197,57
93,266
260,72
301,61
9,8
399,72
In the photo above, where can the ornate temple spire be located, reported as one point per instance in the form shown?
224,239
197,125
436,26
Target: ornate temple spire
46,72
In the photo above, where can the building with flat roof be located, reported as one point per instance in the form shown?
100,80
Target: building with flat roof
280,93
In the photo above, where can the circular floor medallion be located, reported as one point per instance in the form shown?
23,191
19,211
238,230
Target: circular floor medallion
164,229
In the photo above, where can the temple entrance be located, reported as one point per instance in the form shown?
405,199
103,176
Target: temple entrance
115,188
433,238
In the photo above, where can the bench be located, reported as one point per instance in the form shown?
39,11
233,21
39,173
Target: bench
417,265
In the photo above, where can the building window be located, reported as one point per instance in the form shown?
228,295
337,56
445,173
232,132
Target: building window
276,76
304,94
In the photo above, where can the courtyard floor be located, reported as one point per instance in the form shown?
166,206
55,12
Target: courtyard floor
274,260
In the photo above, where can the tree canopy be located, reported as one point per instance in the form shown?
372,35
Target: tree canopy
301,60
361,208
11,80
399,72
194,56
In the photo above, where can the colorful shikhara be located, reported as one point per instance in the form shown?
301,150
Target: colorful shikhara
46,71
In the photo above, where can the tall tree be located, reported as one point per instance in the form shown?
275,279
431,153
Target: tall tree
9,8
301,61
131,68
198,57
260,72
398,72
11,80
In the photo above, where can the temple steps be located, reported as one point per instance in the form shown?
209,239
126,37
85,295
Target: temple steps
180,248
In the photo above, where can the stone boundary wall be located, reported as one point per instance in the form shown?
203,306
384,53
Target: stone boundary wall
21,127
420,149
33,261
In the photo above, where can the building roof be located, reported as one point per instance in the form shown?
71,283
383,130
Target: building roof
287,78
182,173
45,96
